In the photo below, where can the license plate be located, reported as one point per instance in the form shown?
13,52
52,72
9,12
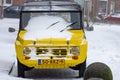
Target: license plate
53,61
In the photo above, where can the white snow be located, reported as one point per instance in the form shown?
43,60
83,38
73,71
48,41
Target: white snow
116,15
104,44
63,8
41,27
45,8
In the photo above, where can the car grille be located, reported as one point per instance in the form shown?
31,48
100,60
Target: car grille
54,51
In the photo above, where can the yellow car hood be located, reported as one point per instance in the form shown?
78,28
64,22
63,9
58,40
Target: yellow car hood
75,39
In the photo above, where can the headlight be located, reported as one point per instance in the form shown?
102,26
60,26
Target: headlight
75,50
27,50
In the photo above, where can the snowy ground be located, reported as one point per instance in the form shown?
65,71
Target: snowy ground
104,44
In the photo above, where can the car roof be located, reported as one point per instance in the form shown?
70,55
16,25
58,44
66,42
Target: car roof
51,6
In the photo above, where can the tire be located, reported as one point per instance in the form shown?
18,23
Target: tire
81,67
98,70
21,69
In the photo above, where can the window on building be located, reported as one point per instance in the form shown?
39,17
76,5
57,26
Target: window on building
8,1
112,7
102,7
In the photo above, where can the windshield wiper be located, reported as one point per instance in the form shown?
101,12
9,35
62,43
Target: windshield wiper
52,24
68,26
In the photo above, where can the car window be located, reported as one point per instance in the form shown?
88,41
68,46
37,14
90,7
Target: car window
13,8
32,17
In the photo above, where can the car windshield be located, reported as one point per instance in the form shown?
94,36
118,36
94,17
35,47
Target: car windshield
50,20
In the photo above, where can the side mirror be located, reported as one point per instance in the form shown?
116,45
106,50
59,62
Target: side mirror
89,28
10,29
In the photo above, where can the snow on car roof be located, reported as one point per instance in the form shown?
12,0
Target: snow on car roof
51,5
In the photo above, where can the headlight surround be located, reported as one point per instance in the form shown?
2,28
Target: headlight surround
75,50
27,50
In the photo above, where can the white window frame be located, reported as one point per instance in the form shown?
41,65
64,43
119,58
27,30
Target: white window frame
112,7
7,4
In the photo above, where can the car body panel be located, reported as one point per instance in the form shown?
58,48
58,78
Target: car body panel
78,39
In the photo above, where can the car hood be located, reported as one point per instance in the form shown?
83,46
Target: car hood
72,37
47,34
50,32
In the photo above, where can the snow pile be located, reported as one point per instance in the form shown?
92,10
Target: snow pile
117,15
47,27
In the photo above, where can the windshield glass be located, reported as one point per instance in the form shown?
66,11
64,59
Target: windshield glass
50,20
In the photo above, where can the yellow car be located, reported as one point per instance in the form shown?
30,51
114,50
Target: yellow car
51,36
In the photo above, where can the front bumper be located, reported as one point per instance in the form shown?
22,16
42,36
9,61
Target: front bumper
37,65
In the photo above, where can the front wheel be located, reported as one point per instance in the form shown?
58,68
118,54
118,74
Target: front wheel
82,68
21,69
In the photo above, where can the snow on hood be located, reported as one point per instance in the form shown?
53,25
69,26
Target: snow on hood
39,28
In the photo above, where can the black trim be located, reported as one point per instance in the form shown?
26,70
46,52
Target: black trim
53,11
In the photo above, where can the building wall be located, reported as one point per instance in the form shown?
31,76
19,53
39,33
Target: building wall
0,2
18,2
95,7
0,11
0,8
117,5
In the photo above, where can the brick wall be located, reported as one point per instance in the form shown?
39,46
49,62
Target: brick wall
0,11
0,8
95,7
117,5
18,2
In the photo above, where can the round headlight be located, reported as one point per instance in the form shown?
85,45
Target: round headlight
75,50
27,50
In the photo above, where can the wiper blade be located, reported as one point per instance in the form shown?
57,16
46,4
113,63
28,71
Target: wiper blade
52,24
68,26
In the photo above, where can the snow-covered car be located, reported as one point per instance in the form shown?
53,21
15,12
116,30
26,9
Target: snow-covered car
51,36
113,17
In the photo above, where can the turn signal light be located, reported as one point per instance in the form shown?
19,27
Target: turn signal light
27,57
75,57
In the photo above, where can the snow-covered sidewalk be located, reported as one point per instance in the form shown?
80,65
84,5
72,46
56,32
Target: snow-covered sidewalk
104,44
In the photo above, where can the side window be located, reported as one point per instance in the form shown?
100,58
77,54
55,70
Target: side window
13,8
25,19
75,17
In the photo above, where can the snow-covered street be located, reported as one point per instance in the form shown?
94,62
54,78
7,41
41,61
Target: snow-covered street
104,44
